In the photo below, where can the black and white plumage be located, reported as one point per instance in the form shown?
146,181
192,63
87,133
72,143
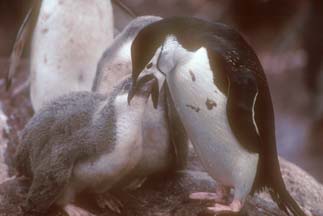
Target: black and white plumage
86,141
222,97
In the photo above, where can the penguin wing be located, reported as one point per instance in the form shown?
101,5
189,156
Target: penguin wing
24,34
18,47
240,85
242,98
178,136
51,173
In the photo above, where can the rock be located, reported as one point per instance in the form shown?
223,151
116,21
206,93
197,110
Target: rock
303,187
169,196
12,194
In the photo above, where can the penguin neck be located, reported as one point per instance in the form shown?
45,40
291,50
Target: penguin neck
171,54
190,76
191,80
135,108
124,52
187,64
116,108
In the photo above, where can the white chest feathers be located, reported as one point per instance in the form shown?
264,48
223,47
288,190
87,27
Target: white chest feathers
202,108
68,41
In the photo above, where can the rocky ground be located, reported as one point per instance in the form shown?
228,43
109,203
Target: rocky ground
169,196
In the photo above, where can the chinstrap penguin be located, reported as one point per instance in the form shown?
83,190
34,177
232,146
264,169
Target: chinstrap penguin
86,141
68,39
222,97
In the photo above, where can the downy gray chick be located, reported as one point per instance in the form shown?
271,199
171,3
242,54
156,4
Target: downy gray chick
81,141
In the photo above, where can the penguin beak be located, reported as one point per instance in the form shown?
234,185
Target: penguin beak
132,91
139,84
155,93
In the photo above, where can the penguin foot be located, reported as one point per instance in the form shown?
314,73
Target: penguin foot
220,196
73,210
235,206
136,184
109,202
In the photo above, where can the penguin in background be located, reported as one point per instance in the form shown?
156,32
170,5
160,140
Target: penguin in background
87,141
222,97
68,40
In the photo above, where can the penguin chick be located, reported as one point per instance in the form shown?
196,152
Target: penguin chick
81,141
222,97
115,62
68,40
162,128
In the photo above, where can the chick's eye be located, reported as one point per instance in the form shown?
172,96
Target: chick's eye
149,65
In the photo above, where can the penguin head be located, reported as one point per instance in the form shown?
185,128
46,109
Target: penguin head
161,46
148,74
163,36
127,36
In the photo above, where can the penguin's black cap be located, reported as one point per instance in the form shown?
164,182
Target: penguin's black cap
150,38
189,31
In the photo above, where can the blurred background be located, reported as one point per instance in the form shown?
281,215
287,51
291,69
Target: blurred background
286,34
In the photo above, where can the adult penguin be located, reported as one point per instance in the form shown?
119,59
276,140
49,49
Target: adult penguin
221,94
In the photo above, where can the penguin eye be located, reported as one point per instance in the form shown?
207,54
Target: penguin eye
149,65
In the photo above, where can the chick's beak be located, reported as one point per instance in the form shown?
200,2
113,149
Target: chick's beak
132,91
148,81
